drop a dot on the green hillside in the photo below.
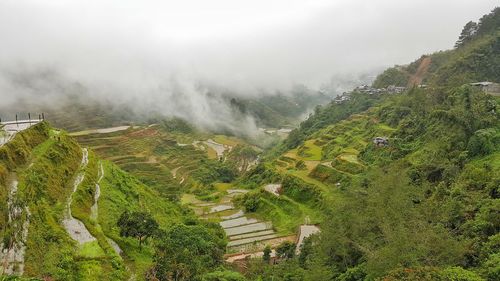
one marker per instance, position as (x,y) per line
(432,189)
(424,205)
(474,59)
(399,186)
(46,162)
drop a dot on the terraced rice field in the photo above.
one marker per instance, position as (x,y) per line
(245,233)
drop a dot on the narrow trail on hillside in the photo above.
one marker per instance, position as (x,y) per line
(75,228)
(12,255)
(417,78)
(94,209)
(174,172)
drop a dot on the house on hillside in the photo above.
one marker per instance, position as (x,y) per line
(381,141)
(489,87)
(368,90)
(274,189)
(342,98)
(395,90)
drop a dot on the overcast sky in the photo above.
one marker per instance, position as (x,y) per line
(144,47)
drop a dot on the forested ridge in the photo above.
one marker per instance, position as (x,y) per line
(426,205)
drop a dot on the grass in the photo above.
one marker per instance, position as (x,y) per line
(121,192)
(151,153)
(352,158)
(45,186)
(304,175)
(312,151)
(91,250)
(231,141)
(222,187)
(211,153)
(188,198)
(385,128)
(285,214)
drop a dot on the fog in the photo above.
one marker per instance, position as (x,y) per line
(175,57)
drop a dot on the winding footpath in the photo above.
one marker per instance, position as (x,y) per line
(97,194)
(94,210)
(75,228)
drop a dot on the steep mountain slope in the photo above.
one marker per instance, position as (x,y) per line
(474,59)
(54,176)
(69,105)
(172,156)
(403,186)
(426,198)
(408,183)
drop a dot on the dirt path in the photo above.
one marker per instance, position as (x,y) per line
(75,228)
(100,131)
(174,172)
(94,208)
(95,212)
(237,257)
(416,79)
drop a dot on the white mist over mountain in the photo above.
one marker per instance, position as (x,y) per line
(174,57)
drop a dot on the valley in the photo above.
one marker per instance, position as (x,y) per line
(396,180)
(175,158)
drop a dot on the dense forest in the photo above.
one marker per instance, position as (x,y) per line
(426,205)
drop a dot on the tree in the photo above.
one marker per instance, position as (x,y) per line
(468,32)
(483,142)
(285,250)
(188,252)
(306,250)
(140,225)
(223,275)
(301,165)
(267,254)
(251,202)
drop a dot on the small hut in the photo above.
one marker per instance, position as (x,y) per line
(381,141)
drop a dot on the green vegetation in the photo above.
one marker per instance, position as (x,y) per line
(423,207)
(139,225)
(280,109)
(476,58)
(431,177)
(299,201)
(120,191)
(285,250)
(154,156)
(328,114)
(17,153)
(423,204)
(396,76)
(187,252)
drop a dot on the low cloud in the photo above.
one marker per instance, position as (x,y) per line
(178,57)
